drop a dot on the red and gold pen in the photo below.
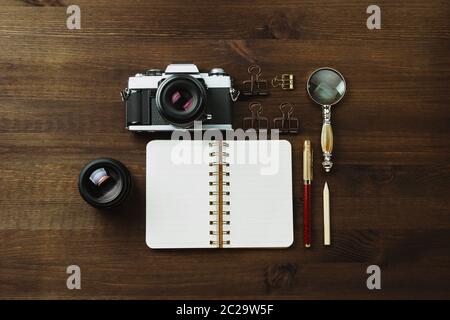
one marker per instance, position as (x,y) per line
(307,180)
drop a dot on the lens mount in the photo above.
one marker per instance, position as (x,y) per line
(104,183)
(180,99)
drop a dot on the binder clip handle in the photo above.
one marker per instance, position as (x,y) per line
(255,108)
(255,70)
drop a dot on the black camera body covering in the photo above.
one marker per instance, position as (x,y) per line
(174,99)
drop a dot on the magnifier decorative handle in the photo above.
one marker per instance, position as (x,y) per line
(327,138)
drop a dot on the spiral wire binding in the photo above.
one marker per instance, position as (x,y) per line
(219,198)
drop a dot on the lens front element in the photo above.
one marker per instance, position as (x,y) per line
(104,183)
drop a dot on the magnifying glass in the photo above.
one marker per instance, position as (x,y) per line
(326,87)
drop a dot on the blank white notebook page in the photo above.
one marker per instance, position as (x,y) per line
(177,196)
(261,209)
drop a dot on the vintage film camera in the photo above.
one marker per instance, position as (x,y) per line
(174,99)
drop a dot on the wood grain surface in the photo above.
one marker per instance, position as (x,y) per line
(60,108)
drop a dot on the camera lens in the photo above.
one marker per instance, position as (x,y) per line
(180,99)
(104,183)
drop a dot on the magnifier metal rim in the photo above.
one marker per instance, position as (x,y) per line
(326,68)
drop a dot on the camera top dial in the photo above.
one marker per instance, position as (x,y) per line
(217,72)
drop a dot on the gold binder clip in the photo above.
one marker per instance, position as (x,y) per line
(256,121)
(255,86)
(285,82)
(286,123)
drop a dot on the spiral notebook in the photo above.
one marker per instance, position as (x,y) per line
(219,194)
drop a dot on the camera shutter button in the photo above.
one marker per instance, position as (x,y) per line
(217,72)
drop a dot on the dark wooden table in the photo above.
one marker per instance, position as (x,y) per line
(60,108)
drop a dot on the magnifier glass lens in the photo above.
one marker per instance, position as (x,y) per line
(326,87)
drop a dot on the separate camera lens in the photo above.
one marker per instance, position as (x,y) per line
(180,99)
(104,183)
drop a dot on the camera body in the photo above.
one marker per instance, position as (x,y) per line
(174,99)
